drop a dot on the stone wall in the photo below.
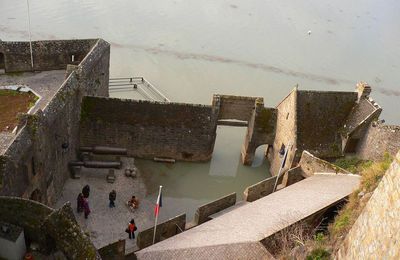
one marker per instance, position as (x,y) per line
(66,233)
(29,215)
(378,140)
(375,234)
(292,176)
(321,117)
(234,107)
(311,164)
(260,130)
(37,161)
(47,55)
(164,230)
(286,127)
(260,189)
(150,129)
(203,212)
(51,229)
(113,251)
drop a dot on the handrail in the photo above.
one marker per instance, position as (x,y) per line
(139,84)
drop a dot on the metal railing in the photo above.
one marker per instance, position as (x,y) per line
(147,90)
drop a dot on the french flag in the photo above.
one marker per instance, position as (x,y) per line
(158,204)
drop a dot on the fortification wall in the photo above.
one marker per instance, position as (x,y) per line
(285,132)
(38,160)
(204,211)
(378,140)
(164,230)
(310,164)
(260,130)
(321,117)
(375,233)
(234,107)
(149,129)
(47,55)
(29,215)
(51,229)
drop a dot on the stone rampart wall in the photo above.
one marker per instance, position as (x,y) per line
(164,230)
(286,127)
(311,164)
(38,160)
(29,215)
(378,140)
(234,107)
(260,189)
(260,130)
(47,55)
(149,129)
(113,251)
(375,234)
(321,117)
(203,212)
(51,229)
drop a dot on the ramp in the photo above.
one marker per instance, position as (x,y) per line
(255,221)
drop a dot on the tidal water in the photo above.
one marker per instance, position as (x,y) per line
(193,49)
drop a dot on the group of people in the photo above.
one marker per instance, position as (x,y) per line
(83,205)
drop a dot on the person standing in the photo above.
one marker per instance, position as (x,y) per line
(131,229)
(79,202)
(86,191)
(112,197)
(86,208)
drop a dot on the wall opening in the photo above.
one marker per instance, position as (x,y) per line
(36,195)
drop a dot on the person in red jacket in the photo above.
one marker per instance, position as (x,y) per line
(131,229)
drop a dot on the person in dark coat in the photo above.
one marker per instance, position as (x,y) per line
(112,197)
(131,229)
(79,202)
(86,208)
(86,191)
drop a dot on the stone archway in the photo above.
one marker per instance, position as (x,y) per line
(36,195)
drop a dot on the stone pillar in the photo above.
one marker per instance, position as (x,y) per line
(363,90)
(260,130)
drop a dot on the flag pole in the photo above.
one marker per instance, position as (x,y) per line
(155,221)
(30,35)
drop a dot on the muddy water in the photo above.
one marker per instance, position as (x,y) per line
(189,185)
(191,49)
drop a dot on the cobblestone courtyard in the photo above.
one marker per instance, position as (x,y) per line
(106,225)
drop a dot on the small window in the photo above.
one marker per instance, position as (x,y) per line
(72,57)
(287,116)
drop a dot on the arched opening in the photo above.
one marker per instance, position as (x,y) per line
(2,63)
(36,195)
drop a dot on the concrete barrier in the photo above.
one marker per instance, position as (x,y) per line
(203,212)
(164,230)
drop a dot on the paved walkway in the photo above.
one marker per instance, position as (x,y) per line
(45,83)
(257,220)
(107,225)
